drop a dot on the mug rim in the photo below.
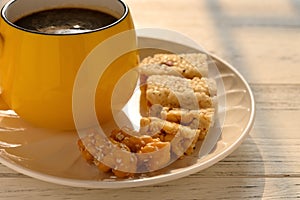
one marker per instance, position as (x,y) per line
(9,3)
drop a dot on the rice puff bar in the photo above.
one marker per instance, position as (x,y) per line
(178,92)
(184,65)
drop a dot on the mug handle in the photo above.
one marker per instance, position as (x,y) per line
(3,105)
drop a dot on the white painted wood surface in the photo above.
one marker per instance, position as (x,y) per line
(262,40)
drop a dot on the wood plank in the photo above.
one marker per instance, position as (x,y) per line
(5,172)
(186,188)
(265,59)
(259,158)
(274,124)
(257,8)
(277,96)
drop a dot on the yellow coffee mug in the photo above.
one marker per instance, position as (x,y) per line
(37,70)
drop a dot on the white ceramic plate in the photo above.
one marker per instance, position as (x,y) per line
(54,156)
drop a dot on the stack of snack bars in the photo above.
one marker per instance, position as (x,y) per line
(177,107)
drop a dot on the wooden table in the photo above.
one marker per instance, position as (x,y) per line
(262,40)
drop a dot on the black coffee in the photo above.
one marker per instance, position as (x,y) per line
(65,20)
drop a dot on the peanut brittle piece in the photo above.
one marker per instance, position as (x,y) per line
(108,154)
(132,153)
(182,138)
(154,155)
(201,119)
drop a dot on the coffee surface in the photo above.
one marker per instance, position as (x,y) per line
(65,20)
